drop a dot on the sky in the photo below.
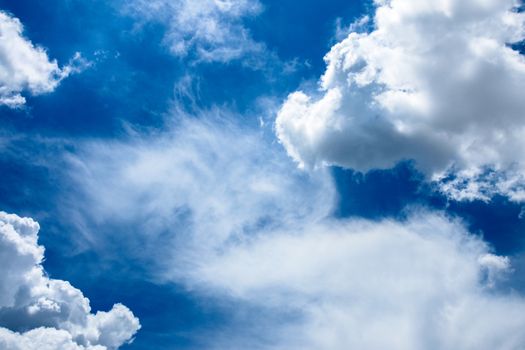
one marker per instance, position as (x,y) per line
(260,174)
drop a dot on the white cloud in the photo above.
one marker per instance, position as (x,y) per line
(37,312)
(26,68)
(189,190)
(435,81)
(421,284)
(359,25)
(219,209)
(213,29)
(40,339)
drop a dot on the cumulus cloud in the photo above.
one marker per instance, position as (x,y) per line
(37,312)
(213,29)
(25,67)
(434,81)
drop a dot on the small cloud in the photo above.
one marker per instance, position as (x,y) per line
(209,30)
(26,68)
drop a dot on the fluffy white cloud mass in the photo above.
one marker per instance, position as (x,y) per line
(436,82)
(212,28)
(40,313)
(24,67)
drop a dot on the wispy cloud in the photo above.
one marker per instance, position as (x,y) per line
(186,191)
(216,208)
(209,31)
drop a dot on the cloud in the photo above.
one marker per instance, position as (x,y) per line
(38,312)
(212,30)
(425,283)
(176,195)
(434,81)
(25,67)
(220,209)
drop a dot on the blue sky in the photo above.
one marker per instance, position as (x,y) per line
(224,169)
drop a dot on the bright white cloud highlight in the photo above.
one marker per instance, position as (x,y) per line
(211,29)
(24,67)
(435,81)
(40,313)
